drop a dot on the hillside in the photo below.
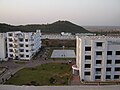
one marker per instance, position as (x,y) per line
(56,27)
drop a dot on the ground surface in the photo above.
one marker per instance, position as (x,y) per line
(82,87)
(45,74)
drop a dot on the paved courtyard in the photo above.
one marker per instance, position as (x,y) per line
(63,54)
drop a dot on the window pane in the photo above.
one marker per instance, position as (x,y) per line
(98,52)
(99,44)
(87,48)
(87,73)
(109,52)
(117,52)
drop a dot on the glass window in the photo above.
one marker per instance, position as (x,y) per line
(10,34)
(117,52)
(26,45)
(11,55)
(99,44)
(21,39)
(117,61)
(87,57)
(10,50)
(109,52)
(21,50)
(98,69)
(98,61)
(26,40)
(109,61)
(87,48)
(108,76)
(27,55)
(87,65)
(21,45)
(27,50)
(98,52)
(117,68)
(87,73)
(97,77)
(21,55)
(116,76)
(108,69)
(10,39)
(10,45)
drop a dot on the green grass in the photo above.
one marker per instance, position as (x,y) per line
(46,74)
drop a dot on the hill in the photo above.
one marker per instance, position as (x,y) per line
(56,27)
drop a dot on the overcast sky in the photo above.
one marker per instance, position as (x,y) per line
(81,12)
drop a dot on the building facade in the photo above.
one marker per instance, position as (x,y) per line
(23,45)
(97,58)
(3,47)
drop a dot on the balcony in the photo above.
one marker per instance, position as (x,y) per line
(15,45)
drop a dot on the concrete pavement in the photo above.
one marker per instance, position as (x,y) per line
(82,87)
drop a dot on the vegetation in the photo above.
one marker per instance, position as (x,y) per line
(20,62)
(56,27)
(45,74)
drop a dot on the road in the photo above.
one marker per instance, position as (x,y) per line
(82,87)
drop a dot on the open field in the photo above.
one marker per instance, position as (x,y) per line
(45,74)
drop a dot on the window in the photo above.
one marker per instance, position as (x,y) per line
(21,50)
(87,73)
(87,65)
(10,34)
(97,77)
(98,52)
(108,77)
(109,52)
(10,50)
(98,69)
(109,61)
(87,48)
(21,55)
(21,45)
(26,40)
(117,68)
(116,76)
(117,52)
(27,55)
(10,45)
(10,39)
(11,55)
(98,61)
(26,45)
(87,57)
(21,39)
(108,69)
(117,61)
(27,50)
(99,44)
(32,44)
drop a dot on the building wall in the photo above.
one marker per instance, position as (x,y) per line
(24,45)
(97,67)
(2,46)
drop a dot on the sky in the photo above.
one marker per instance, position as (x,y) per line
(81,12)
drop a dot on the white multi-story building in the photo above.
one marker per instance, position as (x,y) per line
(2,46)
(97,58)
(23,45)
